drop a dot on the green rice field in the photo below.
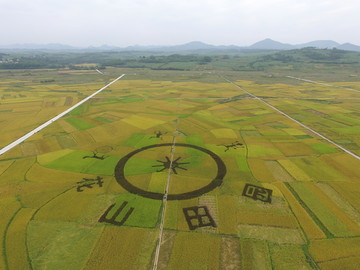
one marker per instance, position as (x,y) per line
(179,170)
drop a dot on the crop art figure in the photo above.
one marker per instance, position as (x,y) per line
(233,145)
(257,193)
(114,218)
(198,217)
(95,156)
(158,134)
(88,183)
(173,165)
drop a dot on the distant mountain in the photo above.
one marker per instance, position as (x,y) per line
(102,48)
(30,46)
(349,47)
(270,44)
(191,47)
(320,44)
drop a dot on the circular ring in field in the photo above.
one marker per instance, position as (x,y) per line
(216,181)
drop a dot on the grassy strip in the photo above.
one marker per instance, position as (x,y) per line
(311,213)
(309,259)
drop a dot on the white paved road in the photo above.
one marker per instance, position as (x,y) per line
(99,71)
(28,135)
(326,84)
(301,124)
(164,200)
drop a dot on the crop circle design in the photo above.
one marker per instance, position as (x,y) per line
(217,181)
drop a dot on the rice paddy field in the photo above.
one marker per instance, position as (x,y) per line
(179,170)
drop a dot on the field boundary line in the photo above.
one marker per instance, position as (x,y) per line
(164,200)
(6,261)
(296,121)
(326,84)
(29,134)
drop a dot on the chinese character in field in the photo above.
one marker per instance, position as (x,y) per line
(88,183)
(257,193)
(198,216)
(114,219)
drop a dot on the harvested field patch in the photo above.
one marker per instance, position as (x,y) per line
(166,248)
(124,256)
(260,171)
(272,234)
(255,254)
(278,172)
(286,257)
(294,170)
(230,257)
(267,219)
(66,141)
(184,258)
(29,149)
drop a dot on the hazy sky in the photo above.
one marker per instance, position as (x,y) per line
(169,22)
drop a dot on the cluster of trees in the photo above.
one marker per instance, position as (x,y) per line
(162,61)
(73,60)
(155,62)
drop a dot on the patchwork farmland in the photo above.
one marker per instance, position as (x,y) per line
(178,170)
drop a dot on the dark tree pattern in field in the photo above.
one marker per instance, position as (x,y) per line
(88,183)
(233,145)
(113,219)
(171,165)
(198,216)
(95,156)
(158,134)
(257,193)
